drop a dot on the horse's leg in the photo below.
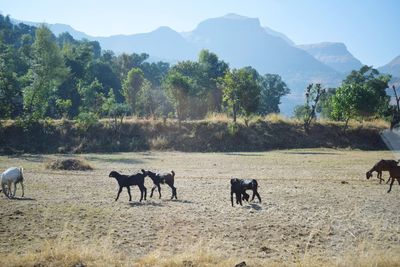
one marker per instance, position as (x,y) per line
(390,188)
(129,192)
(119,192)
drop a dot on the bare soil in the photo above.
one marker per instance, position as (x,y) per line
(314,201)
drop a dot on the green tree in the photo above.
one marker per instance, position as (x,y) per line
(178,88)
(46,74)
(213,69)
(132,85)
(241,91)
(362,94)
(272,89)
(92,97)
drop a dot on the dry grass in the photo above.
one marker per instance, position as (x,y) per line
(308,216)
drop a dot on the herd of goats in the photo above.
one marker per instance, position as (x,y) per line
(14,175)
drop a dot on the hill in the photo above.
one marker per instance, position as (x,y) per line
(335,55)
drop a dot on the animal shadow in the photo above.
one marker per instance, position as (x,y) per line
(23,199)
(138,204)
(254,206)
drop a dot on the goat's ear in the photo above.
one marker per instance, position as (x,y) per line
(143,171)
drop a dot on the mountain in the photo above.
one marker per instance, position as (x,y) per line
(242,41)
(162,43)
(392,68)
(335,55)
(58,28)
(279,34)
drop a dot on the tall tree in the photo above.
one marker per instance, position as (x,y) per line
(47,73)
(132,85)
(178,88)
(242,91)
(272,89)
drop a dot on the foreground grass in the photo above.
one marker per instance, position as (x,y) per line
(64,252)
(318,210)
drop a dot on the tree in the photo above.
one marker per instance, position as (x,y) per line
(92,97)
(178,87)
(308,112)
(46,74)
(362,94)
(272,89)
(241,91)
(132,85)
(213,69)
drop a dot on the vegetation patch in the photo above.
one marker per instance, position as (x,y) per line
(69,165)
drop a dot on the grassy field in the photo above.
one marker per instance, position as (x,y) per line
(318,209)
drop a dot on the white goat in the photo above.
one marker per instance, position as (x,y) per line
(10,177)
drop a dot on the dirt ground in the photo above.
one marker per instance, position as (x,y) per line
(315,202)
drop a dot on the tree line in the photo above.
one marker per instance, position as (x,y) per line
(44,76)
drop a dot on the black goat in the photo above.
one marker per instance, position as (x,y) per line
(394,172)
(380,166)
(239,187)
(162,178)
(127,181)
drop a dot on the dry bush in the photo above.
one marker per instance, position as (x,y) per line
(159,143)
(276,118)
(218,117)
(69,164)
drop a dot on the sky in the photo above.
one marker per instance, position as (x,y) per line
(369,28)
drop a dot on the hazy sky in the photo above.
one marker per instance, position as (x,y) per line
(369,28)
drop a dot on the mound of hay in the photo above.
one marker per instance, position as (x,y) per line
(69,164)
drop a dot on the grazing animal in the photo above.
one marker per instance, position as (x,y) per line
(12,176)
(379,167)
(394,172)
(239,187)
(127,181)
(162,178)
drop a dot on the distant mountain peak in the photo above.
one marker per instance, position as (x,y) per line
(234,16)
(333,54)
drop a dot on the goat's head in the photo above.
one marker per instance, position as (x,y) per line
(149,173)
(113,174)
(235,181)
(369,174)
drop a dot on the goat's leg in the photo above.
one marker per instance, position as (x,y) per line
(129,193)
(398,180)
(119,192)
(239,196)
(145,192)
(152,190)
(258,195)
(9,188)
(159,190)
(15,189)
(388,180)
(391,184)
(174,190)
(4,188)
(380,177)
(22,185)
(232,197)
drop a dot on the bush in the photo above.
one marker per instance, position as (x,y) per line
(85,120)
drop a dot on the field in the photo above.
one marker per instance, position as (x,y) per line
(317,209)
